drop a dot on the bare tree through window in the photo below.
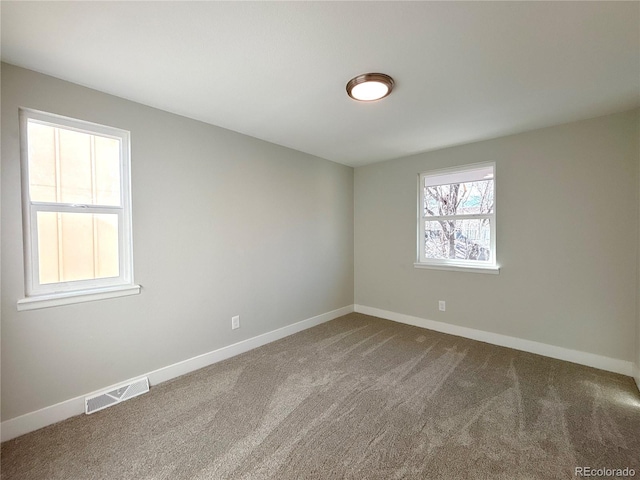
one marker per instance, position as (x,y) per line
(457,216)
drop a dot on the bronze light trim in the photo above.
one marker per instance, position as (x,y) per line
(370,77)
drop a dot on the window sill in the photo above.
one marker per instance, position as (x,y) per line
(80,296)
(458,268)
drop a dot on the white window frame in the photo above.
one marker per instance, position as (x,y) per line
(39,295)
(476,266)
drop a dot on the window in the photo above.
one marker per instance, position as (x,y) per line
(76,211)
(456,218)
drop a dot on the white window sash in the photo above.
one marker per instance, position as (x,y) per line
(38,288)
(450,261)
(470,216)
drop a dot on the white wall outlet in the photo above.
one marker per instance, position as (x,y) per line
(442,305)
(235,322)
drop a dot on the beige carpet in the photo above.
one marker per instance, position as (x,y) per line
(358,398)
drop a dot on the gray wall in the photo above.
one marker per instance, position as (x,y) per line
(567,238)
(637,357)
(224,224)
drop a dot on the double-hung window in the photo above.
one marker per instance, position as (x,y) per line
(76,210)
(456,218)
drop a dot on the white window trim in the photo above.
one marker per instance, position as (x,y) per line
(63,293)
(458,268)
(78,296)
(472,266)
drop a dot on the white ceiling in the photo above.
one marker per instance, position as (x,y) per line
(464,71)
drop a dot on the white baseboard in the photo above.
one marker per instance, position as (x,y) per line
(575,356)
(636,375)
(75,406)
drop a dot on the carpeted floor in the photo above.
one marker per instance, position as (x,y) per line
(358,398)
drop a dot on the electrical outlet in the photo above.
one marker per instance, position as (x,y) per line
(235,322)
(442,305)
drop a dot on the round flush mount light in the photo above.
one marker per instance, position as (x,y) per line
(370,87)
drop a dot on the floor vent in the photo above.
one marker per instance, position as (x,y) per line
(116,395)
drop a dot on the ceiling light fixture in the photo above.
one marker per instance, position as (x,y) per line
(369,87)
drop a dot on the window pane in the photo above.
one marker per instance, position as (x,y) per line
(107,170)
(42,163)
(73,167)
(458,239)
(459,198)
(77,246)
